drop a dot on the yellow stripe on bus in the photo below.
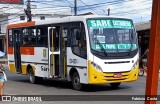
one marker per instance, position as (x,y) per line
(24,68)
(12,68)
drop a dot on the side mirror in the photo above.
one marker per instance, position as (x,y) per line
(77,35)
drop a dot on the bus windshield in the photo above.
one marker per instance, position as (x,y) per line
(115,35)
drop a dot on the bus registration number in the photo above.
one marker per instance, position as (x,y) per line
(117,75)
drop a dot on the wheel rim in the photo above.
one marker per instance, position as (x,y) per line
(76,82)
(31,77)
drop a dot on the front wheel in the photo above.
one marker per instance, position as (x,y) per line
(115,85)
(141,72)
(76,81)
(33,79)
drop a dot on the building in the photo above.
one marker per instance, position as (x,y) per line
(143,30)
(14,13)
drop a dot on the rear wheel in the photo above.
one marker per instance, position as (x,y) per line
(76,81)
(115,85)
(33,79)
(141,72)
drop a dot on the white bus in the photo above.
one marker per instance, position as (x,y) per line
(81,49)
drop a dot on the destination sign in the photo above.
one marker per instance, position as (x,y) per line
(106,23)
(115,46)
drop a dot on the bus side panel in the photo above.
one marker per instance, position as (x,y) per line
(11,63)
(40,59)
(78,63)
(37,59)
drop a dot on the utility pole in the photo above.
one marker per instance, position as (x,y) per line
(154,54)
(28,11)
(108,11)
(75,7)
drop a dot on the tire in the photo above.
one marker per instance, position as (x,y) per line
(115,85)
(33,79)
(76,81)
(141,72)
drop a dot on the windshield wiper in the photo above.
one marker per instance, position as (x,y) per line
(101,47)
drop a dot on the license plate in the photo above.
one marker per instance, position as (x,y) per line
(117,75)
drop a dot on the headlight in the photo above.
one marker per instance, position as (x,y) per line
(97,67)
(134,65)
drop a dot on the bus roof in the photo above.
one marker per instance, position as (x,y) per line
(60,20)
(73,18)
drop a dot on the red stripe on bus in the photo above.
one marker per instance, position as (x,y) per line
(27,50)
(24,50)
(10,50)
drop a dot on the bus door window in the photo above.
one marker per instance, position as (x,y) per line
(63,60)
(10,38)
(54,47)
(17,37)
(56,39)
(17,53)
(64,38)
(55,33)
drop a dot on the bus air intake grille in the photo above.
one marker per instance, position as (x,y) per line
(117,62)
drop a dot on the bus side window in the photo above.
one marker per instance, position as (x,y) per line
(29,36)
(78,37)
(42,39)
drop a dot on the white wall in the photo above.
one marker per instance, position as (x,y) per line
(16,19)
(10,14)
(4,22)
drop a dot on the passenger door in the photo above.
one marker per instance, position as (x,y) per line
(16,46)
(53,51)
(63,51)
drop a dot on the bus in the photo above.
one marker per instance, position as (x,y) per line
(81,49)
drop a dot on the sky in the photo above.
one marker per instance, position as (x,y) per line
(138,10)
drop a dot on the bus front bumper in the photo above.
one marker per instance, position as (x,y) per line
(95,77)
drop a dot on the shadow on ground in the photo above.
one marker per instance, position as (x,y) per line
(62,84)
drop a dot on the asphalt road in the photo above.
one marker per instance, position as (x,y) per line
(19,85)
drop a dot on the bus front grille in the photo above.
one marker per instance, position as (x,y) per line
(117,62)
(116,79)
